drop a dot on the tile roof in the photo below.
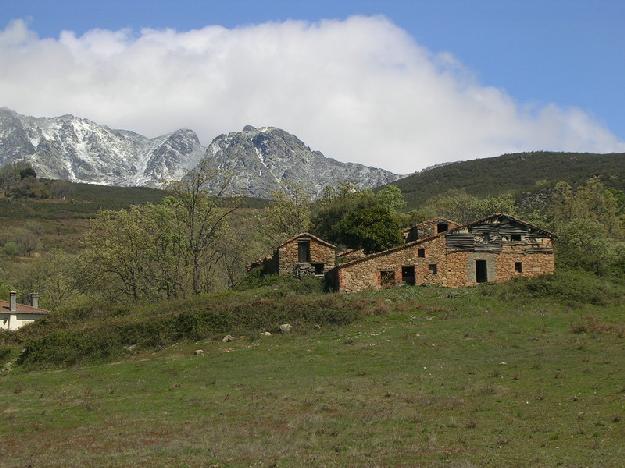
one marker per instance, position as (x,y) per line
(5,308)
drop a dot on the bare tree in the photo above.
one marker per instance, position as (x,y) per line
(202,216)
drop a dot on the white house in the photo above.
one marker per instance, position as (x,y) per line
(14,316)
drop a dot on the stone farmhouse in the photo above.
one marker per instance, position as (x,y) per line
(494,249)
(14,316)
(300,255)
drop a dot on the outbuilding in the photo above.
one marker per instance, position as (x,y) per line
(14,316)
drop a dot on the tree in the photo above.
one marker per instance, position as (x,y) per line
(464,208)
(202,218)
(360,219)
(287,215)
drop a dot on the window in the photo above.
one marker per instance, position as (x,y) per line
(387,278)
(318,268)
(518,267)
(303,251)
(408,275)
(432,268)
(516,237)
(421,253)
(441,227)
(481,272)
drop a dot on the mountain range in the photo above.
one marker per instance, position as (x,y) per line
(260,160)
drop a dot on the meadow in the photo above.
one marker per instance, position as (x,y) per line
(528,373)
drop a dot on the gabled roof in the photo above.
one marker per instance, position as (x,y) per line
(5,308)
(427,239)
(308,236)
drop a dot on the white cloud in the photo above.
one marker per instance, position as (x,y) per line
(359,90)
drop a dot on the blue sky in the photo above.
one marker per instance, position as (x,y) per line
(570,53)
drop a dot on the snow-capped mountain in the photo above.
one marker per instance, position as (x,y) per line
(80,150)
(263,160)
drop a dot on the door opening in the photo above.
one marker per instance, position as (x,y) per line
(408,275)
(481,274)
(303,252)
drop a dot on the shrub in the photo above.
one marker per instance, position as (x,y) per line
(100,334)
(565,286)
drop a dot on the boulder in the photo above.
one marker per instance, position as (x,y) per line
(266,333)
(285,328)
(198,352)
(228,338)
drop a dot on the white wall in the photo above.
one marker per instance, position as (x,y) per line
(16,320)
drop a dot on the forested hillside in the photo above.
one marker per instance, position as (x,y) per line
(513,172)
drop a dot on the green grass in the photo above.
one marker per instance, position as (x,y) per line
(495,376)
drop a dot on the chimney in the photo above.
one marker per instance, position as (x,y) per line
(34,300)
(13,301)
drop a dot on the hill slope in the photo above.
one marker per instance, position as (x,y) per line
(512,173)
(478,377)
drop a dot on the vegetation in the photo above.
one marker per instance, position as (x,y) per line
(513,173)
(499,375)
(360,219)
(523,373)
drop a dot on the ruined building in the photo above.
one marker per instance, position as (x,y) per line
(300,255)
(497,248)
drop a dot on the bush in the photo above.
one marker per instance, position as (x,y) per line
(564,286)
(105,334)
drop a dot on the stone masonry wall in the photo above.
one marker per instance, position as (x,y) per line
(319,253)
(366,274)
(454,269)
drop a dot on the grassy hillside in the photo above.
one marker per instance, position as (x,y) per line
(512,173)
(60,221)
(502,375)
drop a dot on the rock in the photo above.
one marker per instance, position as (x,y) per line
(266,333)
(131,347)
(285,328)
(198,352)
(228,338)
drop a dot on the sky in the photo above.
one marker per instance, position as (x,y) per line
(397,84)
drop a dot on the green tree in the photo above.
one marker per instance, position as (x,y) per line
(287,215)
(360,219)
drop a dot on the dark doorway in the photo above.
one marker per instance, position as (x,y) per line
(303,252)
(441,227)
(481,274)
(408,275)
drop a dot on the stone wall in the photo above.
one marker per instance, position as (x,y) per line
(453,268)
(365,273)
(287,257)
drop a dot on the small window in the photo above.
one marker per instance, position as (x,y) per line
(387,278)
(318,268)
(421,253)
(432,268)
(441,227)
(518,267)
(516,237)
